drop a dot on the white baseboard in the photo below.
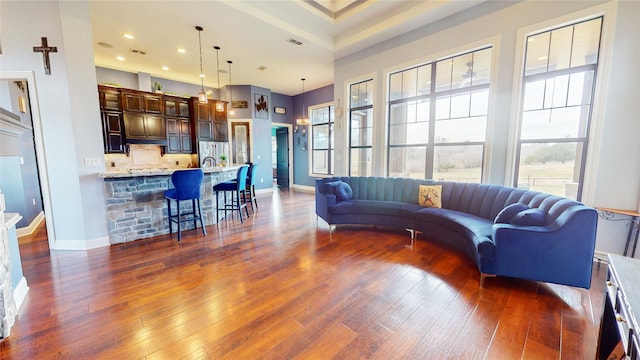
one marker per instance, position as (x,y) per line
(81,244)
(32,227)
(20,292)
(305,188)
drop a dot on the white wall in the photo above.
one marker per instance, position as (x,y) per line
(68,110)
(614,158)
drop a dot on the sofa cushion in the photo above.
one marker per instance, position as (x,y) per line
(332,185)
(343,191)
(375,207)
(529,217)
(506,214)
(430,196)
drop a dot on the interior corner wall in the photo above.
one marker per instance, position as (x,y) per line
(261,146)
(68,126)
(301,162)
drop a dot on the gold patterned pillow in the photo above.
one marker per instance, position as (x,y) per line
(430,196)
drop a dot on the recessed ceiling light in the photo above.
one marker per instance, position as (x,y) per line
(202,76)
(120,58)
(128,36)
(165,68)
(182,51)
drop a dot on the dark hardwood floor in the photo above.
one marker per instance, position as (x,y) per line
(277,287)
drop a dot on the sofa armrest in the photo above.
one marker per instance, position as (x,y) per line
(554,253)
(323,201)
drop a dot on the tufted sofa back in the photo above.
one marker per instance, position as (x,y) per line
(483,200)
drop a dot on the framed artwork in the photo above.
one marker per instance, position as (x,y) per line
(261,105)
(279,110)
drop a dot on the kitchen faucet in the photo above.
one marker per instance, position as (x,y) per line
(209,158)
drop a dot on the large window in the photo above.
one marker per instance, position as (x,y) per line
(558,87)
(322,139)
(360,128)
(438,118)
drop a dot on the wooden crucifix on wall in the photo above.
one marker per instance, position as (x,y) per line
(45,49)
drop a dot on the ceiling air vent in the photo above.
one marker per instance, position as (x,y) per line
(294,41)
(262,68)
(137,52)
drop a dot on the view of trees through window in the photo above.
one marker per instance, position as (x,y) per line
(558,85)
(438,118)
(360,128)
(322,145)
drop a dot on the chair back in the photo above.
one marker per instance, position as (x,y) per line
(187,183)
(251,177)
(241,177)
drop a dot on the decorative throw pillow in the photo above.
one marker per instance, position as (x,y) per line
(430,196)
(331,186)
(505,215)
(530,217)
(343,191)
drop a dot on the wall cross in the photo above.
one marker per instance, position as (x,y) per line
(45,49)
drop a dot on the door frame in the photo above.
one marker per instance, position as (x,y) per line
(230,123)
(290,150)
(39,146)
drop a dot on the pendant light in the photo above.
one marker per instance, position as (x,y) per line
(303,121)
(219,104)
(231,111)
(202,95)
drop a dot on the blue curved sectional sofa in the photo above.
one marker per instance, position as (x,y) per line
(506,231)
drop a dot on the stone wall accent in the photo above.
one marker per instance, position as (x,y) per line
(137,209)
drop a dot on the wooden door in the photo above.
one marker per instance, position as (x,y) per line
(282,153)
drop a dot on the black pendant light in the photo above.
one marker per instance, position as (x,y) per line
(231,111)
(202,95)
(219,104)
(302,121)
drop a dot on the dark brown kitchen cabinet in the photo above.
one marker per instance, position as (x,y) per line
(112,132)
(176,106)
(109,98)
(139,101)
(220,124)
(179,136)
(144,128)
(210,125)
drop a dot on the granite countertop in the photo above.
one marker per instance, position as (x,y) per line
(11,219)
(162,171)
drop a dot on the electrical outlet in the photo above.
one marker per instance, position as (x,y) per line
(34,201)
(91,162)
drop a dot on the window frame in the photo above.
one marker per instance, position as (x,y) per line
(330,140)
(524,79)
(350,110)
(432,96)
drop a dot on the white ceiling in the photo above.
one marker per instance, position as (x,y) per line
(252,34)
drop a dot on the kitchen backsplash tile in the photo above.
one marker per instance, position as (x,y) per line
(146,157)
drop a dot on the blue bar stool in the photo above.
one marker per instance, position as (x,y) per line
(238,188)
(187,185)
(251,187)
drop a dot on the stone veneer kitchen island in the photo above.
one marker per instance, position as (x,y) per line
(136,206)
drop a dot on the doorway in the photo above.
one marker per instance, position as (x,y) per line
(39,199)
(282,155)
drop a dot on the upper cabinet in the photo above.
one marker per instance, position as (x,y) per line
(176,106)
(139,101)
(210,124)
(109,98)
(140,117)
